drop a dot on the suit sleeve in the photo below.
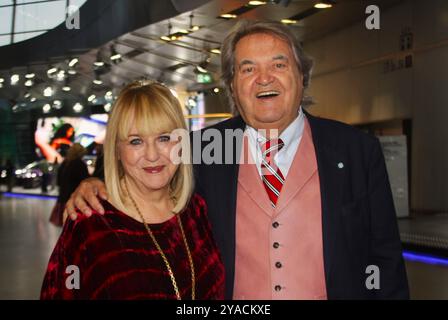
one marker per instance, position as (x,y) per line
(386,249)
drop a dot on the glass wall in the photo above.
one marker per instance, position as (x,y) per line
(25,19)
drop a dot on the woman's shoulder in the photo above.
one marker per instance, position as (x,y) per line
(197,202)
(95,222)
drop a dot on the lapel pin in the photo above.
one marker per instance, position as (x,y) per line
(340,165)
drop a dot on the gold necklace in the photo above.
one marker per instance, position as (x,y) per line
(162,254)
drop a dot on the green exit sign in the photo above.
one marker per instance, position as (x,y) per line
(204,78)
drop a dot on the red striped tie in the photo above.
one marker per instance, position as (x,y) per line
(273,179)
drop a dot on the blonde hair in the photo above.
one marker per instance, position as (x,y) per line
(153,109)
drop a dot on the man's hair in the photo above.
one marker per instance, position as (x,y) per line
(152,108)
(246,27)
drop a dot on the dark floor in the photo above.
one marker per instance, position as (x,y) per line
(27,239)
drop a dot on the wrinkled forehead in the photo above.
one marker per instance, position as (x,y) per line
(264,46)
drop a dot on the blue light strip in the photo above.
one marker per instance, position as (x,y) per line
(423,258)
(23,196)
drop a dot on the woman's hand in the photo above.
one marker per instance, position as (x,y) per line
(85,198)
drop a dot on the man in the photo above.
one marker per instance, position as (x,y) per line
(312,215)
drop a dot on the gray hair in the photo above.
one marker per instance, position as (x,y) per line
(246,27)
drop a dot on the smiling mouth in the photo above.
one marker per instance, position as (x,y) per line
(267,94)
(153,169)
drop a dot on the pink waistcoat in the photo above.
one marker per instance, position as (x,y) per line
(279,252)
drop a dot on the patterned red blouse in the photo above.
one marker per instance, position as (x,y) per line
(116,258)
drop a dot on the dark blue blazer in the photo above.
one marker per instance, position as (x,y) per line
(359,224)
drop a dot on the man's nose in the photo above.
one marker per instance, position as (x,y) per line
(264,77)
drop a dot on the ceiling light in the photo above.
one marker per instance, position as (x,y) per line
(215,51)
(165,38)
(107,107)
(52,70)
(33,99)
(60,76)
(46,108)
(30,75)
(256,3)
(57,104)
(48,92)
(193,27)
(71,71)
(99,63)
(2,80)
(73,62)
(91,98)
(78,107)
(97,81)
(29,83)
(288,21)
(323,5)
(115,57)
(15,79)
(27,95)
(216,90)
(66,88)
(228,16)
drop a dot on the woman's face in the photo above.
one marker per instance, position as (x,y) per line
(146,160)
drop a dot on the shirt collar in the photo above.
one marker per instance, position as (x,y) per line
(290,135)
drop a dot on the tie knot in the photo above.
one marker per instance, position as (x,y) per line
(272,146)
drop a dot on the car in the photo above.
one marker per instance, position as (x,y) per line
(31,175)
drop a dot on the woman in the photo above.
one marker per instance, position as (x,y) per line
(154,242)
(69,175)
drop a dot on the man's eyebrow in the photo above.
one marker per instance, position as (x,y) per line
(280,57)
(245,62)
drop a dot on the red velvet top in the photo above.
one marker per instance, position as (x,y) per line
(117,259)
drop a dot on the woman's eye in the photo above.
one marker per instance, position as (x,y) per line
(164,138)
(135,141)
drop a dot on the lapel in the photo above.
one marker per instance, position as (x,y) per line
(225,184)
(302,169)
(250,180)
(332,179)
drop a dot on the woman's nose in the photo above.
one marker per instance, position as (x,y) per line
(152,152)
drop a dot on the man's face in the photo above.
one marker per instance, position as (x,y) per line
(267,85)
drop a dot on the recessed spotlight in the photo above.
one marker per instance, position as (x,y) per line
(323,5)
(228,16)
(97,81)
(46,108)
(73,62)
(66,88)
(15,79)
(78,107)
(30,75)
(288,21)
(48,92)
(29,83)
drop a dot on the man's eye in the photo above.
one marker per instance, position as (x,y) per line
(280,65)
(164,138)
(247,69)
(135,141)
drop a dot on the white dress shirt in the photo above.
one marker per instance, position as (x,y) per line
(291,137)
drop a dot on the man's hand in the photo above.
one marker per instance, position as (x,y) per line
(85,197)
